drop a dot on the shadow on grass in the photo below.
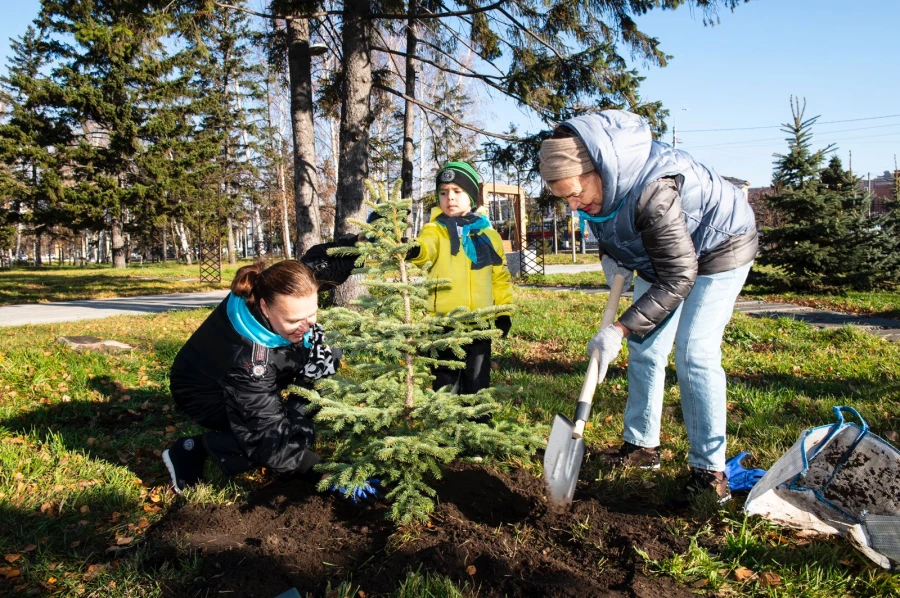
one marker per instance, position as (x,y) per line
(34,287)
(128,428)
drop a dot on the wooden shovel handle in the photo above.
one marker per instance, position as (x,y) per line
(594,376)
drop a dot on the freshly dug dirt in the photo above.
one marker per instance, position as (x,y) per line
(490,530)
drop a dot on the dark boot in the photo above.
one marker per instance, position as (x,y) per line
(701,483)
(184,460)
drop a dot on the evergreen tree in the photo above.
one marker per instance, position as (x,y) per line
(825,237)
(106,60)
(386,421)
(31,141)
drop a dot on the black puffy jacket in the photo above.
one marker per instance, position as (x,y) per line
(219,370)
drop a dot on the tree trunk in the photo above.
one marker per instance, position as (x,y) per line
(309,228)
(38,242)
(232,255)
(356,116)
(285,220)
(118,243)
(165,243)
(409,115)
(185,246)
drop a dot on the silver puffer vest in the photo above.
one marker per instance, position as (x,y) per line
(628,160)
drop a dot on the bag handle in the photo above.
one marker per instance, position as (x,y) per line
(839,411)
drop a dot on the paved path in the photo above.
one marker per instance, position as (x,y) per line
(886,328)
(67,311)
(92,309)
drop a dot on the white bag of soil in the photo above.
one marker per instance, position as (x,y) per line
(837,479)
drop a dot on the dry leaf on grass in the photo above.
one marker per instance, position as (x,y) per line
(743,574)
(769,579)
(12,558)
(9,572)
(471,570)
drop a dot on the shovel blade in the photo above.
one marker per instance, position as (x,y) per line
(562,462)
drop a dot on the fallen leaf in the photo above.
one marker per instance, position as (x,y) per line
(85,509)
(471,570)
(120,541)
(91,441)
(699,583)
(743,574)
(892,436)
(51,580)
(9,572)
(143,523)
(666,455)
(66,399)
(12,558)
(769,579)
(29,548)
(796,369)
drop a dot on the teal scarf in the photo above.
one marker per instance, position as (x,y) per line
(477,247)
(249,327)
(584,217)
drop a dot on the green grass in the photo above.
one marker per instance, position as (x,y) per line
(582,280)
(565,258)
(77,495)
(882,303)
(64,283)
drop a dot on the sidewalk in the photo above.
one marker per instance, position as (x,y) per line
(885,328)
(92,309)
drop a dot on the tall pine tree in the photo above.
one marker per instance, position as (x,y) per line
(31,141)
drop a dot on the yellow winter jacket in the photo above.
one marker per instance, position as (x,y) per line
(470,288)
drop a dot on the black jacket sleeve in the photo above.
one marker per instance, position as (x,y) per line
(665,237)
(263,427)
(331,270)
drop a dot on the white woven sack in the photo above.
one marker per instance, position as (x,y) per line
(830,481)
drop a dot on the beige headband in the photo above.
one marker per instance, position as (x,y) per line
(564,158)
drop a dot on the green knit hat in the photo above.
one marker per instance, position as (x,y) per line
(459,173)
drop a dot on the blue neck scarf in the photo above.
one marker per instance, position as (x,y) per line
(584,217)
(249,327)
(469,223)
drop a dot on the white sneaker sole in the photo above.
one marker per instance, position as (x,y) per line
(171,467)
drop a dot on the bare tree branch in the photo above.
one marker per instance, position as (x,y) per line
(440,15)
(472,73)
(446,115)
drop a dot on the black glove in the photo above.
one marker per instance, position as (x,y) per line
(504,324)
(331,270)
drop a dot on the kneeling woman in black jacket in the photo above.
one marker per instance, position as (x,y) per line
(230,375)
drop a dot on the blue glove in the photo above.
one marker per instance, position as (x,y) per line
(365,494)
(740,479)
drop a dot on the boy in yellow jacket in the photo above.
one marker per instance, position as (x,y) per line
(460,244)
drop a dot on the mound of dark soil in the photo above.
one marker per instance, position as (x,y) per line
(490,530)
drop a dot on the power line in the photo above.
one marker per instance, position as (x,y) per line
(756,142)
(828,122)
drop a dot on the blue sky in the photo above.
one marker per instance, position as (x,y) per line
(841,56)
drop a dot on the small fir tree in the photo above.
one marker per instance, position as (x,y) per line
(386,420)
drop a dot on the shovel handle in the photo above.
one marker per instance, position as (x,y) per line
(594,376)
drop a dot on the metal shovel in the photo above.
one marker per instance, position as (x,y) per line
(565,449)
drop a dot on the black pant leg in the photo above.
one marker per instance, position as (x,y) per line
(477,374)
(223,448)
(444,376)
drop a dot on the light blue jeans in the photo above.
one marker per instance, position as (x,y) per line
(696,328)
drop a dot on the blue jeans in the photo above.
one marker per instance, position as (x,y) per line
(696,328)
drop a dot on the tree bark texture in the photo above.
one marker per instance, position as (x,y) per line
(305,184)
(356,116)
(118,242)
(409,116)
